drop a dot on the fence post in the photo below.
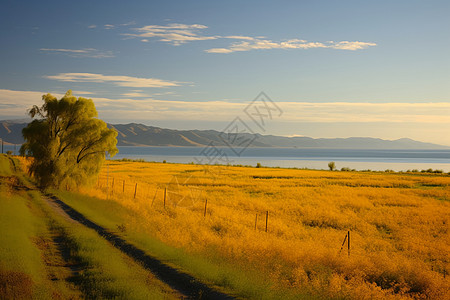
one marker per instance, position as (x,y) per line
(267,218)
(206,203)
(123,187)
(343,243)
(165,192)
(112,188)
(135,190)
(348,241)
(154,196)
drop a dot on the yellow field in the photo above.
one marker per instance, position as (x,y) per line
(398,223)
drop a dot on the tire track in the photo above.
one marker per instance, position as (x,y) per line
(177,280)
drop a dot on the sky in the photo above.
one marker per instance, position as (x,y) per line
(332,68)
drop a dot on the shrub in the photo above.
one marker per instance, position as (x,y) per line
(332,165)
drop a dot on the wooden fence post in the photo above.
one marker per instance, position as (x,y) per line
(135,190)
(112,188)
(343,243)
(165,192)
(348,241)
(206,203)
(267,218)
(154,196)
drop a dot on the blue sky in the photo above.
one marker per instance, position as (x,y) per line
(335,68)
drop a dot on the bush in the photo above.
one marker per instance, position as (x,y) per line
(332,165)
(345,169)
(258,165)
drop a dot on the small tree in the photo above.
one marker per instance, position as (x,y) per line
(67,141)
(331,165)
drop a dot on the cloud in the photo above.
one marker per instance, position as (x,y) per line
(92,26)
(82,93)
(15,103)
(135,95)
(126,81)
(86,52)
(433,112)
(175,34)
(264,44)
(109,26)
(345,45)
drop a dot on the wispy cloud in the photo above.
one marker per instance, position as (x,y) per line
(15,103)
(126,81)
(85,52)
(109,26)
(136,95)
(264,44)
(92,26)
(175,34)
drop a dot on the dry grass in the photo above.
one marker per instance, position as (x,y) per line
(399,224)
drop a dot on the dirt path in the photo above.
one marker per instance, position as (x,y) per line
(177,280)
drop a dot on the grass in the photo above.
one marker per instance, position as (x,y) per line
(5,165)
(398,221)
(211,270)
(80,265)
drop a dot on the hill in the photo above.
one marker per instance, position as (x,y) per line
(135,134)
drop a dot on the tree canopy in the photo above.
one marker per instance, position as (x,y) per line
(67,141)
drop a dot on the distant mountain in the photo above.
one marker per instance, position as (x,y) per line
(141,135)
(11,131)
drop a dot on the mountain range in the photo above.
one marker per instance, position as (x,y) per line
(134,134)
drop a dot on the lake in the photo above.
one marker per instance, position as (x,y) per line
(397,160)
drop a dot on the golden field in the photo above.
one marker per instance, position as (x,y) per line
(399,224)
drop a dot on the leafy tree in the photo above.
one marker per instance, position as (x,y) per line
(67,141)
(331,165)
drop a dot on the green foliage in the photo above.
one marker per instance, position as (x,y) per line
(332,165)
(258,165)
(67,141)
(5,166)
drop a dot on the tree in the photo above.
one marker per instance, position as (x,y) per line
(67,141)
(331,165)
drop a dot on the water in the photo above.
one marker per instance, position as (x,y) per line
(377,160)
(397,160)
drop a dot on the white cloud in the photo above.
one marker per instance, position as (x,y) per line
(433,112)
(109,26)
(176,34)
(345,45)
(82,93)
(264,44)
(126,81)
(92,26)
(135,95)
(86,52)
(17,102)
